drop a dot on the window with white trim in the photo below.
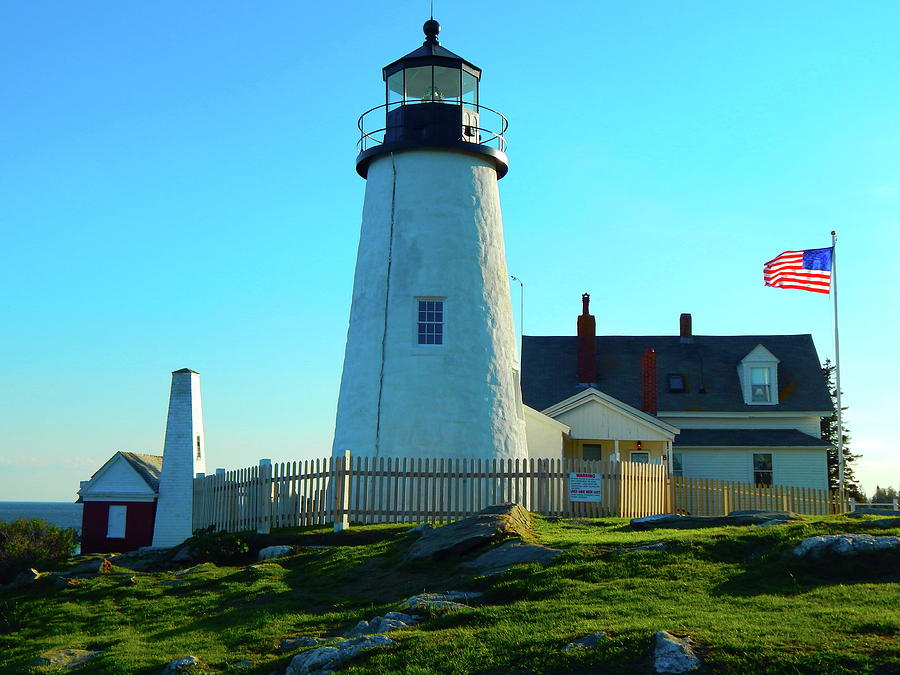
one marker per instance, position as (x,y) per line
(758,373)
(430,322)
(677,464)
(641,457)
(760,385)
(762,468)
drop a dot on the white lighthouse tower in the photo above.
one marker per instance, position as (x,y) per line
(430,366)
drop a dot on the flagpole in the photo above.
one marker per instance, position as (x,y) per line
(837,370)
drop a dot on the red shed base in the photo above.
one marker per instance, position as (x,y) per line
(139,518)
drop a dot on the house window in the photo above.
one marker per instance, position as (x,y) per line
(592,451)
(760,385)
(198,447)
(676,383)
(762,468)
(642,457)
(115,522)
(677,465)
(430,325)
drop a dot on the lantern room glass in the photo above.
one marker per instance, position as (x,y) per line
(432,84)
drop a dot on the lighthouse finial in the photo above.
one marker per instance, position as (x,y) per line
(431,29)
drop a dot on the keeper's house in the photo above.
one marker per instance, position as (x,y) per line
(730,407)
(120,503)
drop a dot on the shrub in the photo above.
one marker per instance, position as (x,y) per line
(222,548)
(32,543)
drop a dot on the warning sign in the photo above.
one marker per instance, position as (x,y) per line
(584,487)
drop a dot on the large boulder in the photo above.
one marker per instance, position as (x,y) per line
(326,659)
(382,624)
(493,524)
(845,545)
(25,578)
(740,518)
(502,557)
(274,552)
(439,603)
(672,654)
(66,658)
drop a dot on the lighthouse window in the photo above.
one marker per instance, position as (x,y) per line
(430,325)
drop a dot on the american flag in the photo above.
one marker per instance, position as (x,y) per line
(808,270)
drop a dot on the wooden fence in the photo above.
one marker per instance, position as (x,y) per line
(369,490)
(707,497)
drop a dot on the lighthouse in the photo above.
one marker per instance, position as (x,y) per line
(430,366)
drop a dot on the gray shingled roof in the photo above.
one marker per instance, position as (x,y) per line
(147,466)
(549,371)
(756,438)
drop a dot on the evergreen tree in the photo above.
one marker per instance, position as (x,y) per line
(884,495)
(830,434)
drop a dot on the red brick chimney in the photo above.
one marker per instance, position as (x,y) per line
(648,380)
(587,343)
(687,332)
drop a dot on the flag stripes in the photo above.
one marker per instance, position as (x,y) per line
(808,270)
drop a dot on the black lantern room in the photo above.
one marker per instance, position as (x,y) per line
(432,101)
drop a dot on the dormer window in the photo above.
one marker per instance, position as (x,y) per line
(759,385)
(676,383)
(758,374)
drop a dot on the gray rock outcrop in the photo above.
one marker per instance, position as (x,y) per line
(672,654)
(382,624)
(845,545)
(326,659)
(493,524)
(585,642)
(182,665)
(439,603)
(66,658)
(502,557)
(26,578)
(274,552)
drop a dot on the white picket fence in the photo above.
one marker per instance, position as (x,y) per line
(414,489)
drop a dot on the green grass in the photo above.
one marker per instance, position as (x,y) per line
(736,591)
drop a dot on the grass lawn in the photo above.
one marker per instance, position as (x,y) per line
(746,603)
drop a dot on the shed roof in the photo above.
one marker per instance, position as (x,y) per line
(148,467)
(709,365)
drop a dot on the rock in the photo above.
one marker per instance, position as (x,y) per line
(290,644)
(770,522)
(65,658)
(742,518)
(89,566)
(655,546)
(495,523)
(266,568)
(274,552)
(182,665)
(845,545)
(184,554)
(382,624)
(325,659)
(26,578)
(502,557)
(420,529)
(439,603)
(194,569)
(585,642)
(884,523)
(672,654)
(242,664)
(132,581)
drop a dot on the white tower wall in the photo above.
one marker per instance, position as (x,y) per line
(184,456)
(431,228)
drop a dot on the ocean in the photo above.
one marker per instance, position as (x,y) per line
(62,514)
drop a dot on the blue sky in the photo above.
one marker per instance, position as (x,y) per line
(177,188)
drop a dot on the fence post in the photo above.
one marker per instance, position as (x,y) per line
(726,506)
(264,497)
(342,493)
(852,505)
(896,504)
